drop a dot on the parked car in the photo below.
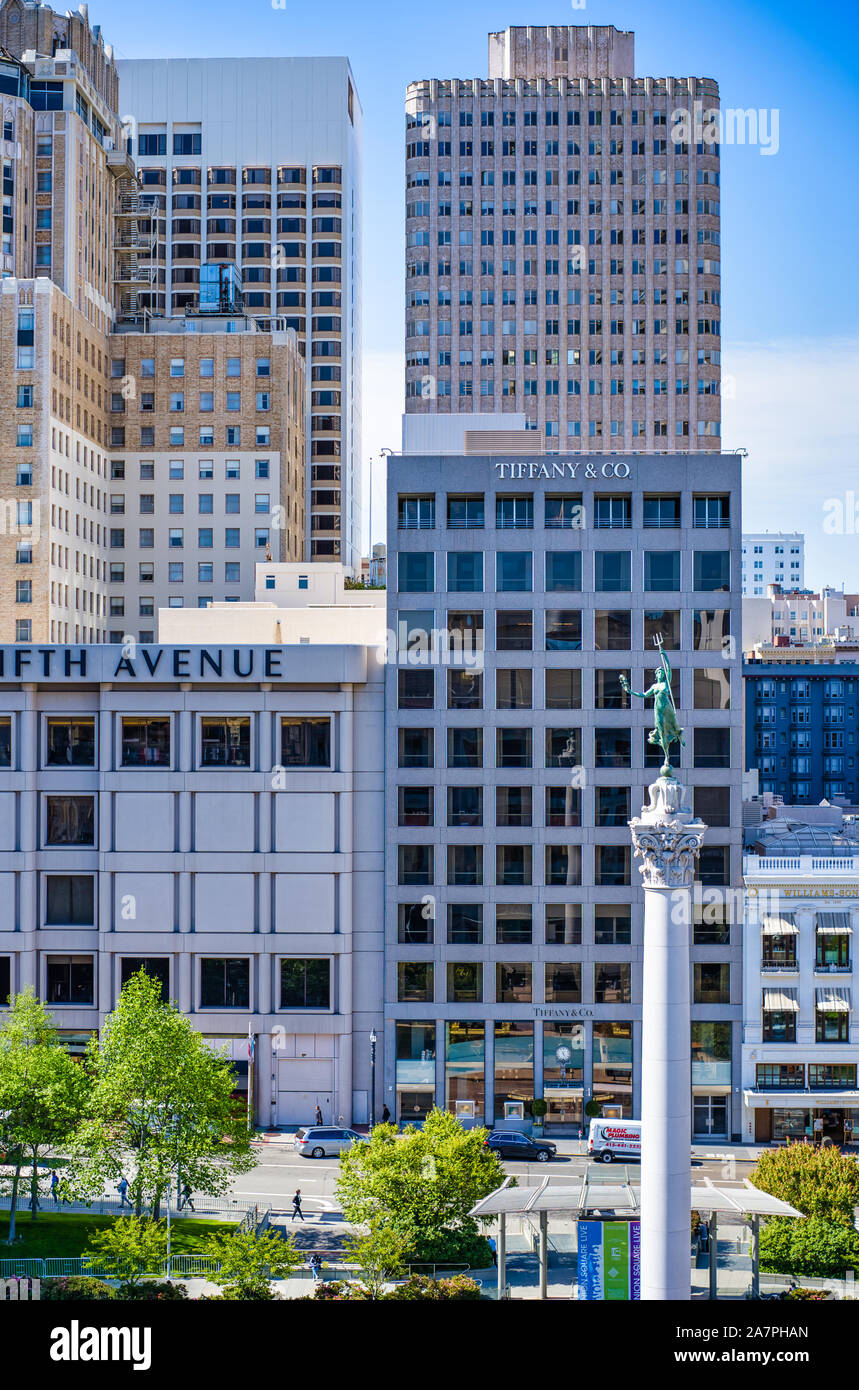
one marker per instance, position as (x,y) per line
(520,1146)
(318,1141)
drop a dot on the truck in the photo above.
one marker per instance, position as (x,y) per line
(610,1139)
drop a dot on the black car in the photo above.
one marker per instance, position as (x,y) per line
(520,1146)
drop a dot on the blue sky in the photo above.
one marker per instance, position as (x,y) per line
(790,335)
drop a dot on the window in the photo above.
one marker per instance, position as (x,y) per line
(156,967)
(464,806)
(513,747)
(514,513)
(563,982)
(464,924)
(416,572)
(464,984)
(305,984)
(711,687)
(514,630)
(712,747)
(226,741)
(831,1026)
(415,982)
(415,689)
(563,864)
(305,742)
(563,806)
(225,982)
(612,925)
(513,571)
(563,689)
(145,742)
(711,629)
(662,569)
(612,983)
(711,983)
(611,865)
(464,689)
(612,806)
(513,924)
(70,820)
(415,923)
(612,747)
(563,630)
(513,983)
(464,571)
(415,748)
(563,571)
(612,571)
(513,806)
(513,689)
(711,570)
(414,864)
(660,513)
(713,805)
(513,865)
(70,980)
(71,743)
(69,900)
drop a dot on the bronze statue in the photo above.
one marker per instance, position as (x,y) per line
(666,729)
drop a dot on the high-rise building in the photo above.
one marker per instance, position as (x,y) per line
(101,421)
(562,235)
(521,600)
(256,162)
(773,557)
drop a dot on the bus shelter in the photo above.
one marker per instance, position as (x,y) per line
(589,1199)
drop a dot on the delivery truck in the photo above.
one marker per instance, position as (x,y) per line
(610,1139)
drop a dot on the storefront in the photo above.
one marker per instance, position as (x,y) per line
(785,1119)
(563,1076)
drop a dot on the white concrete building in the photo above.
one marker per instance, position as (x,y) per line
(801,912)
(773,557)
(257,161)
(213,812)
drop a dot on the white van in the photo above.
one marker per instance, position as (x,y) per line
(610,1139)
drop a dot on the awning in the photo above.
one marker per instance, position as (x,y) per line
(778,1001)
(585,1197)
(782,925)
(823,1099)
(834,923)
(830,1000)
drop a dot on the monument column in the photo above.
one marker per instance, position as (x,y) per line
(667,841)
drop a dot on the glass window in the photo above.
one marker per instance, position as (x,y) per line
(563,630)
(513,571)
(563,570)
(69,900)
(415,747)
(415,923)
(70,980)
(226,741)
(465,864)
(464,924)
(612,748)
(612,982)
(414,864)
(464,689)
(563,689)
(612,924)
(414,982)
(513,747)
(416,572)
(465,571)
(156,967)
(712,747)
(563,982)
(664,623)
(513,985)
(563,924)
(71,743)
(711,570)
(464,1060)
(415,689)
(415,805)
(514,1059)
(563,806)
(563,865)
(465,747)
(612,1065)
(145,742)
(465,983)
(464,806)
(612,571)
(415,1063)
(305,983)
(70,820)
(513,865)
(612,630)
(513,806)
(612,806)
(513,689)
(225,983)
(711,687)
(305,742)
(611,865)
(662,569)
(513,924)
(711,983)
(514,630)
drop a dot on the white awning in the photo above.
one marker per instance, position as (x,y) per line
(834,923)
(831,1000)
(802,1100)
(777,1001)
(782,925)
(585,1197)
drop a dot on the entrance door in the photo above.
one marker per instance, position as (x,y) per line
(710,1117)
(301,1086)
(833,1125)
(763,1126)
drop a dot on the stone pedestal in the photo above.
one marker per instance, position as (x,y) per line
(667,840)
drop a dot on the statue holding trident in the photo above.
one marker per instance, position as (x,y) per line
(666,729)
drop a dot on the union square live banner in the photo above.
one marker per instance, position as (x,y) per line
(610,1259)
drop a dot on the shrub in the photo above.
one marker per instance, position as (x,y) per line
(808,1295)
(813,1246)
(340,1290)
(458,1247)
(421,1287)
(160,1290)
(76,1288)
(818,1182)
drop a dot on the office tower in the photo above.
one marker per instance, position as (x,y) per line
(522,588)
(206,464)
(773,557)
(89,415)
(562,235)
(256,162)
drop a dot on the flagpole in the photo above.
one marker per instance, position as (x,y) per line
(250,1077)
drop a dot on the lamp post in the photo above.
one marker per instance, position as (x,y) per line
(372,1077)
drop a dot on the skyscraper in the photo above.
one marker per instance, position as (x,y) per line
(562,245)
(257,161)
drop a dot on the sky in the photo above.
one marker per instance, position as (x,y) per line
(790,328)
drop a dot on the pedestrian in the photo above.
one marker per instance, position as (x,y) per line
(818,1131)
(318,1116)
(185,1198)
(296,1205)
(494,1248)
(386,1115)
(315,1263)
(122,1189)
(55,1182)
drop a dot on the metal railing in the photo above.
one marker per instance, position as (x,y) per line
(60,1267)
(112,1206)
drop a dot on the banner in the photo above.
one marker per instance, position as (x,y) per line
(609,1265)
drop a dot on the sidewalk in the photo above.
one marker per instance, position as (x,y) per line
(571,1147)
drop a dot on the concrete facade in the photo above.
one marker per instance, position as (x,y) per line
(154,811)
(519,947)
(771,557)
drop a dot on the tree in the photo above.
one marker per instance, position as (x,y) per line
(43,1093)
(815,1247)
(818,1182)
(161,1105)
(248,1261)
(422,1186)
(127,1250)
(379,1252)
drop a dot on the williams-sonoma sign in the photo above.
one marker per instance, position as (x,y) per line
(143,664)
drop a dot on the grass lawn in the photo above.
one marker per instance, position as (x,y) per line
(52,1234)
